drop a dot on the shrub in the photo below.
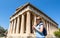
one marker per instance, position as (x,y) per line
(57,33)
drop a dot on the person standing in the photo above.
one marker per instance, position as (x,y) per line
(38,28)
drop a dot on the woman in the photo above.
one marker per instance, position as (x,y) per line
(38,28)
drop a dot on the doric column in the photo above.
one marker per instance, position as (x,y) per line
(14,26)
(28,22)
(47,27)
(17,28)
(11,26)
(22,24)
(34,22)
(9,30)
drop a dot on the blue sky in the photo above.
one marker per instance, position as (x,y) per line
(49,7)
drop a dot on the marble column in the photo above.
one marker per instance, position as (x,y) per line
(11,26)
(17,28)
(28,22)
(22,24)
(9,30)
(14,26)
(34,22)
(47,27)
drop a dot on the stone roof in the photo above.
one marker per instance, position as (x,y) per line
(28,4)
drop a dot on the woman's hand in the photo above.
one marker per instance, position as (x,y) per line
(33,27)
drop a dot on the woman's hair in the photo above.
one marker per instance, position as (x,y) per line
(41,21)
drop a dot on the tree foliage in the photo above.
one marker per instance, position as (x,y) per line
(2,31)
(57,33)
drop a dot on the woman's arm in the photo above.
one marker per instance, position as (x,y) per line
(40,30)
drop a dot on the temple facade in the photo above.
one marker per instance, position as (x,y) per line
(24,17)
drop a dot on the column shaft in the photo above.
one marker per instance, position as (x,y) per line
(47,27)
(22,24)
(18,21)
(28,22)
(14,26)
(34,22)
(9,30)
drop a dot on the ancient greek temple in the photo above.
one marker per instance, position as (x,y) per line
(24,17)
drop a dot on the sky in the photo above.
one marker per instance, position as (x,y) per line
(49,7)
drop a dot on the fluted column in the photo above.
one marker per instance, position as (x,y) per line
(14,26)
(9,30)
(17,28)
(22,24)
(34,22)
(11,26)
(47,27)
(28,22)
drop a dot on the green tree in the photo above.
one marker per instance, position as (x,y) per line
(57,33)
(2,31)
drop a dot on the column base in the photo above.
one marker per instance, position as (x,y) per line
(21,36)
